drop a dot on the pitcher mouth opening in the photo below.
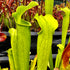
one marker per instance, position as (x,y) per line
(2,37)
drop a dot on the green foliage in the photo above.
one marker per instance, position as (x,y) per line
(21,9)
(0,19)
(51,61)
(59,55)
(0,67)
(65,25)
(49,10)
(33,63)
(21,38)
(13,34)
(6,22)
(23,45)
(44,41)
(10,55)
(49,6)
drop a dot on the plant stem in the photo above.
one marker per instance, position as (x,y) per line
(49,6)
(0,67)
(11,60)
(9,21)
(51,61)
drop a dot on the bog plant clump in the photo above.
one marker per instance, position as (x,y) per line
(19,53)
(7,7)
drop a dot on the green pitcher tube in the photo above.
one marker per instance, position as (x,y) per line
(23,41)
(44,41)
(23,36)
(13,35)
(20,43)
(65,24)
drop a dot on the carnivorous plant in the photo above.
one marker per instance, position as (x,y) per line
(21,38)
